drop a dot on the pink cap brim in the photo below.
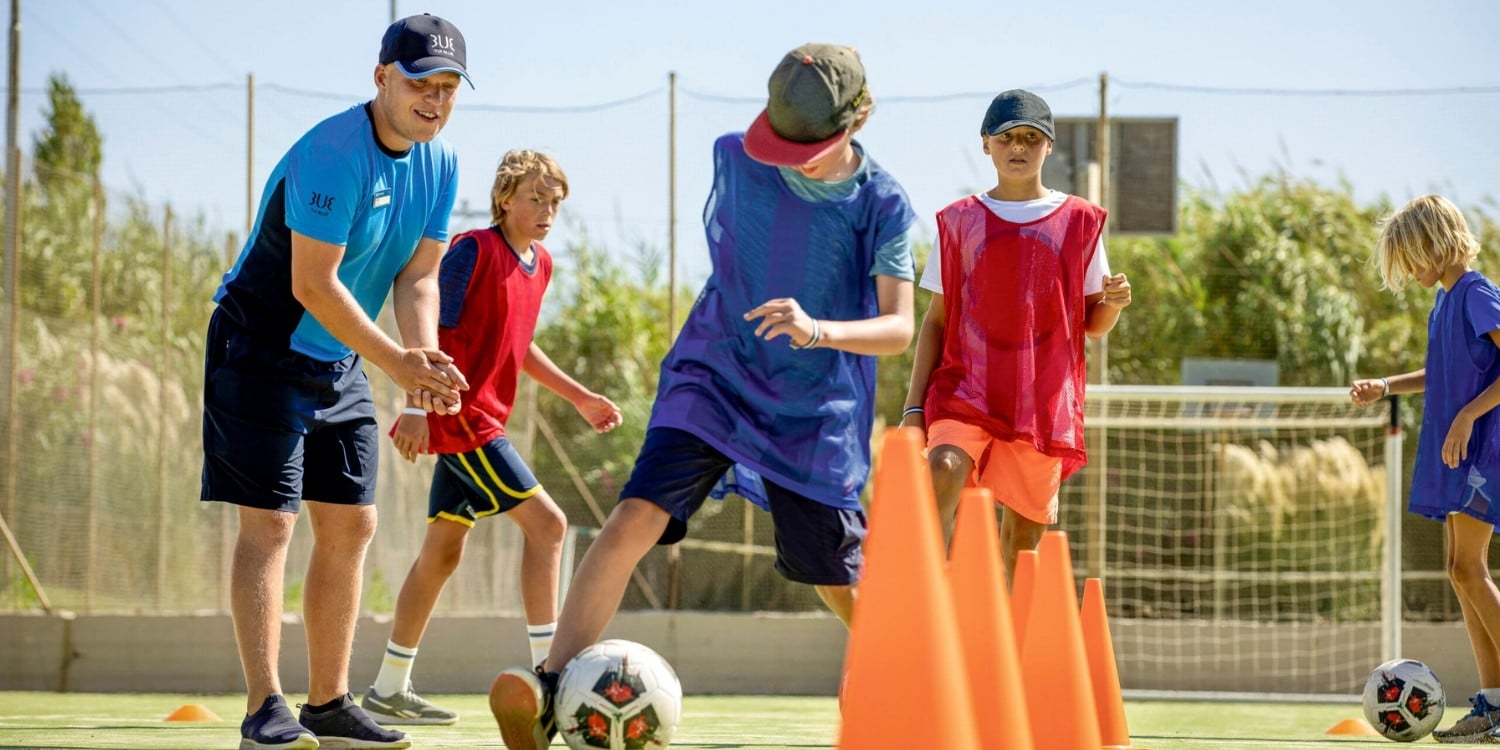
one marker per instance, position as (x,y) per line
(765,146)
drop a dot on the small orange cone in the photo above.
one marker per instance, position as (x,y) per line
(1054,661)
(1022,585)
(905,671)
(1102,668)
(192,712)
(1354,728)
(977,575)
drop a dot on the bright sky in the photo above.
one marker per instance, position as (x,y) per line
(166,82)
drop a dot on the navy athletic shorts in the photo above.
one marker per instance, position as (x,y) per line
(280,427)
(488,480)
(816,544)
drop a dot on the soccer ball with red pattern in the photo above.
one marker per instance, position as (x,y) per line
(618,695)
(1403,700)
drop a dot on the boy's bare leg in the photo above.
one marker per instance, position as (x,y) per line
(1468,570)
(442,550)
(1017,532)
(544,526)
(839,600)
(950,467)
(598,585)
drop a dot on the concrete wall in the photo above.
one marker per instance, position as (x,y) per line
(712,653)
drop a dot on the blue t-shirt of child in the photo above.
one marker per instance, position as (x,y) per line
(799,418)
(1462,360)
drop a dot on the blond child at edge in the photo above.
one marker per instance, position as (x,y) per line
(1458,453)
(1019,277)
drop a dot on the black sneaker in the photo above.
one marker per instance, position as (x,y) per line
(273,727)
(346,726)
(521,701)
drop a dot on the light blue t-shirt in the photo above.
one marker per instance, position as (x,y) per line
(340,185)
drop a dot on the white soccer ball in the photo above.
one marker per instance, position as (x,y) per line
(1403,700)
(618,695)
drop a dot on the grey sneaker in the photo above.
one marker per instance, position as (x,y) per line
(1474,726)
(521,701)
(404,708)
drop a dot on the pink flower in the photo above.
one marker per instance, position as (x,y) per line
(26,376)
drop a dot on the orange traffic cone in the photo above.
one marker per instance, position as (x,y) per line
(905,671)
(984,625)
(1021,587)
(1106,675)
(1054,662)
(192,712)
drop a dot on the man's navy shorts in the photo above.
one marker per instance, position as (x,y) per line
(280,427)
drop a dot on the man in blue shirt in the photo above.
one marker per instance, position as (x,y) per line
(357,208)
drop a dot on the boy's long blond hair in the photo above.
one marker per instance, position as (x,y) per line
(1427,233)
(514,168)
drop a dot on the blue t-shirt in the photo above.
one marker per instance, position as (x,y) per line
(800,418)
(1462,360)
(339,185)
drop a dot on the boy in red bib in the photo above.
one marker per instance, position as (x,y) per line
(1018,278)
(492,280)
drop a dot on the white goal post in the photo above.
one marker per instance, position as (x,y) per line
(1248,537)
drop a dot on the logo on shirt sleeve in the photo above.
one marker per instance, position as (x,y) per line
(321,204)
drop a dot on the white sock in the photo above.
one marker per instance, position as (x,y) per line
(540,637)
(1492,695)
(395,669)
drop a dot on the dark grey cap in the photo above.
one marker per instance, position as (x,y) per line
(1014,108)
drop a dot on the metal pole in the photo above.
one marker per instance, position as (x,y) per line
(90,449)
(12,253)
(1096,496)
(672,206)
(249,153)
(162,373)
(674,552)
(1390,580)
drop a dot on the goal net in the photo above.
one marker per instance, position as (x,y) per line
(1241,534)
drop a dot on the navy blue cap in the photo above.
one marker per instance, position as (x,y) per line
(423,45)
(1014,108)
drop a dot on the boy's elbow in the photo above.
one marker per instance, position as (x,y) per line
(900,339)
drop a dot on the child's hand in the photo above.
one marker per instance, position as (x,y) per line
(783,317)
(1456,445)
(915,419)
(1367,391)
(599,412)
(410,436)
(1116,291)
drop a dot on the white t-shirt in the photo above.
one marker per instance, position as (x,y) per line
(1021,212)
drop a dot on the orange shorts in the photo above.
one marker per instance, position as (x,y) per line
(1021,478)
